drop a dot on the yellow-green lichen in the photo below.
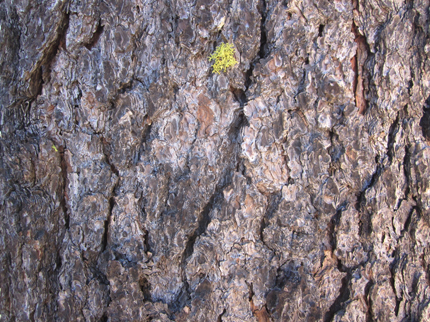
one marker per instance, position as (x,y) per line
(223,57)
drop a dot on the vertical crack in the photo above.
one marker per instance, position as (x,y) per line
(320,30)
(357,62)
(219,319)
(260,313)
(368,300)
(361,197)
(263,51)
(425,120)
(262,8)
(392,281)
(107,223)
(334,222)
(111,200)
(273,205)
(339,303)
(204,219)
(63,201)
(95,37)
(145,288)
(40,73)
(394,128)
(203,222)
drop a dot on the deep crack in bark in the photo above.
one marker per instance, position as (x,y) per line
(359,87)
(63,201)
(338,304)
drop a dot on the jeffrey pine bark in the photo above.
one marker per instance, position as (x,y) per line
(138,185)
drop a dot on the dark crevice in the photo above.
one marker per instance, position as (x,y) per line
(425,120)
(99,275)
(394,128)
(219,319)
(111,200)
(145,288)
(146,241)
(320,30)
(261,314)
(106,225)
(339,303)
(58,261)
(358,66)
(361,197)
(407,174)
(335,151)
(105,144)
(393,267)
(63,201)
(263,51)
(426,267)
(334,222)
(301,88)
(239,122)
(239,96)
(95,37)
(409,220)
(273,206)
(42,68)
(262,8)
(146,135)
(368,300)
(248,77)
(204,218)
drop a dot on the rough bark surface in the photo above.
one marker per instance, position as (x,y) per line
(136,185)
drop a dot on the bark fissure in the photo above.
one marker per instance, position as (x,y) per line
(340,301)
(394,129)
(40,73)
(274,201)
(358,62)
(334,222)
(95,37)
(64,175)
(361,197)
(264,50)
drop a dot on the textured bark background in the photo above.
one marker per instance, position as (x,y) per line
(137,185)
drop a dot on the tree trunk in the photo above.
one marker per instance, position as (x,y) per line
(138,185)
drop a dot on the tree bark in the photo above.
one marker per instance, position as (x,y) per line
(138,185)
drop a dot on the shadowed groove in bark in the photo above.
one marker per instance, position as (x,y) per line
(184,298)
(111,199)
(262,8)
(358,65)
(334,221)
(274,201)
(203,222)
(393,267)
(63,201)
(361,197)
(219,319)
(394,129)
(425,120)
(96,36)
(339,303)
(42,69)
